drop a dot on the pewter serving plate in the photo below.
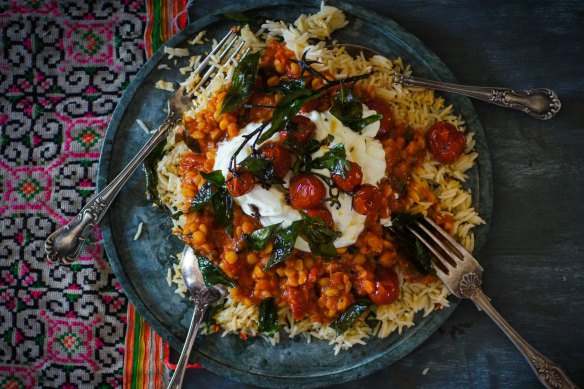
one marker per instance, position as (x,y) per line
(141,265)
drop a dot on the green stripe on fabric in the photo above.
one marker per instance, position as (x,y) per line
(138,329)
(157,39)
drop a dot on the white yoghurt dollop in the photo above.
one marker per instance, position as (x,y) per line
(270,203)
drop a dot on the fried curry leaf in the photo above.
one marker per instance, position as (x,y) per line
(286,109)
(268,324)
(212,312)
(334,160)
(350,316)
(191,142)
(222,203)
(215,177)
(287,85)
(258,239)
(203,196)
(261,168)
(242,83)
(212,274)
(418,252)
(214,192)
(296,147)
(349,110)
(302,151)
(283,244)
(320,236)
(149,167)
(238,17)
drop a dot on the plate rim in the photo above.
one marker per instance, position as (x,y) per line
(405,344)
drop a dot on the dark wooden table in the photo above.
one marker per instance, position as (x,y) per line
(534,259)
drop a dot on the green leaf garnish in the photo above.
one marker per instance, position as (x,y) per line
(258,239)
(334,160)
(283,244)
(238,17)
(350,316)
(191,142)
(216,177)
(268,324)
(319,236)
(212,312)
(288,85)
(349,110)
(212,274)
(418,252)
(261,168)
(241,87)
(203,196)
(213,191)
(222,203)
(149,167)
(286,109)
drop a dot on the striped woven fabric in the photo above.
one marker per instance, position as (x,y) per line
(165,18)
(146,353)
(143,367)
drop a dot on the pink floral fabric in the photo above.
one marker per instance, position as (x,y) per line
(63,67)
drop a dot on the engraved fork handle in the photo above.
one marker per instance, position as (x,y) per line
(550,374)
(64,245)
(540,103)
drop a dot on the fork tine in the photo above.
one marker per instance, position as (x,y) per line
(442,263)
(213,52)
(447,236)
(448,250)
(221,57)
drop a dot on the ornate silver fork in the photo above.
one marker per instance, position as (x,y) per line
(462,274)
(65,244)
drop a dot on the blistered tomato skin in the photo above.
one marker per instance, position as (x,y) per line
(306,191)
(301,128)
(279,156)
(366,199)
(192,161)
(323,214)
(353,178)
(445,142)
(240,184)
(386,287)
(386,124)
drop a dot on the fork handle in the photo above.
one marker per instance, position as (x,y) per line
(550,374)
(64,245)
(540,103)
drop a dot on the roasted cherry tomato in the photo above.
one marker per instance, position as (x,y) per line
(353,178)
(386,124)
(386,287)
(367,199)
(279,156)
(192,161)
(323,214)
(445,142)
(300,127)
(240,183)
(306,191)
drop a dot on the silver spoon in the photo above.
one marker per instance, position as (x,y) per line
(203,296)
(540,103)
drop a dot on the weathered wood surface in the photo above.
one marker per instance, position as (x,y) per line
(534,259)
